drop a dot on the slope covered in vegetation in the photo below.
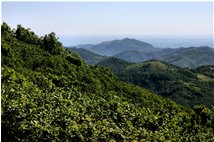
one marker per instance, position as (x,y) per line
(50,94)
(88,56)
(185,86)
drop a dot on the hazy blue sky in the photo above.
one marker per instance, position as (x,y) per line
(95,18)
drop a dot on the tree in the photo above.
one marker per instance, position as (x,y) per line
(26,35)
(6,32)
(51,44)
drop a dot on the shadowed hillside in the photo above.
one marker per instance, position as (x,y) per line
(88,56)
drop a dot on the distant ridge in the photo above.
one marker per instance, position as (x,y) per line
(134,51)
(110,48)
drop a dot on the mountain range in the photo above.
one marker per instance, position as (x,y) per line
(133,50)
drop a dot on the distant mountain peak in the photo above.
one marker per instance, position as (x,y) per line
(124,39)
(106,42)
(130,40)
(113,47)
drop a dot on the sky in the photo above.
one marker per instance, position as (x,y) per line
(163,24)
(111,18)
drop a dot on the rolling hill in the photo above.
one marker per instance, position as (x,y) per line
(190,57)
(134,56)
(184,86)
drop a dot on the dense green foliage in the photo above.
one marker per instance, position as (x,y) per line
(88,56)
(26,35)
(184,86)
(52,95)
(206,70)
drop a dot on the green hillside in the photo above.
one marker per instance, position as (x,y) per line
(134,56)
(88,56)
(115,64)
(50,94)
(184,86)
(206,70)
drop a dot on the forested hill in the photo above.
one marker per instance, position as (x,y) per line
(183,85)
(88,56)
(50,94)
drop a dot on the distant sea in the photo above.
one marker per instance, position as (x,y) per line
(169,41)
